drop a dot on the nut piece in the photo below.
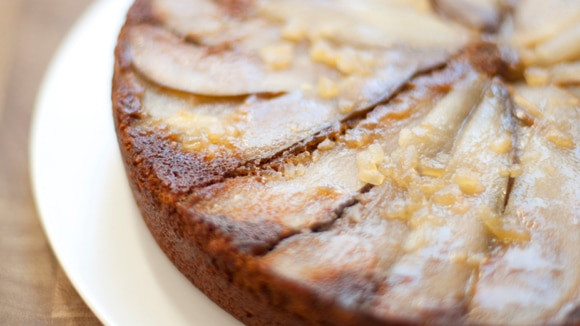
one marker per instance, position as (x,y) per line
(501,229)
(327,144)
(321,51)
(327,88)
(367,161)
(278,56)
(560,138)
(468,182)
(501,145)
(294,30)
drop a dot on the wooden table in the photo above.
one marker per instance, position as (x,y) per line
(33,288)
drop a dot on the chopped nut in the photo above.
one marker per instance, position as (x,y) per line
(327,144)
(501,145)
(294,30)
(502,231)
(376,153)
(409,158)
(367,162)
(357,140)
(560,138)
(201,131)
(504,171)
(422,216)
(364,162)
(355,215)
(397,209)
(370,157)
(349,61)
(373,177)
(322,31)
(405,137)
(431,168)
(315,156)
(387,169)
(468,182)
(420,133)
(289,170)
(303,157)
(322,52)
(430,171)
(447,195)
(327,88)
(187,120)
(300,169)
(516,171)
(461,207)
(345,106)
(278,56)
(429,187)
(214,132)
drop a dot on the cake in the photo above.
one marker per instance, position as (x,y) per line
(336,162)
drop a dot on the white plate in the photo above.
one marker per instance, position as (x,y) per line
(84,199)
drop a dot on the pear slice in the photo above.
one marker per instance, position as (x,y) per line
(165,59)
(369,23)
(538,281)
(539,20)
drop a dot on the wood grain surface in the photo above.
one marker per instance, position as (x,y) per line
(34,290)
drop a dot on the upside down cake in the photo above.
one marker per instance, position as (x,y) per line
(369,162)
